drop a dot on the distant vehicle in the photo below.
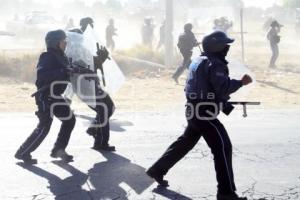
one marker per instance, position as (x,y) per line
(34,24)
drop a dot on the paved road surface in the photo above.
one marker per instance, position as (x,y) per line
(266,159)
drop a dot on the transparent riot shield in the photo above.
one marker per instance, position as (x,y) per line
(114,77)
(77,52)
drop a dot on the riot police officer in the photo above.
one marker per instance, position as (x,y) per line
(99,128)
(207,91)
(186,42)
(51,68)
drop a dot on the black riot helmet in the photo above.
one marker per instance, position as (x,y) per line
(216,42)
(188,27)
(84,22)
(53,38)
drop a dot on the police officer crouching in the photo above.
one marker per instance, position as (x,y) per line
(52,79)
(207,91)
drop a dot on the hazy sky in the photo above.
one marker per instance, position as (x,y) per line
(258,3)
(261,3)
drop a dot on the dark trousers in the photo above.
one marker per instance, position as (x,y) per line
(62,111)
(275,54)
(100,125)
(184,65)
(217,139)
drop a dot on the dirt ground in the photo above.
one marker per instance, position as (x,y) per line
(275,88)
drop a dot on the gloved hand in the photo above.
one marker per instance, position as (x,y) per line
(246,79)
(227,108)
(103,54)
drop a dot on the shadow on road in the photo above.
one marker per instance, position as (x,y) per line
(108,177)
(62,189)
(115,125)
(170,194)
(115,178)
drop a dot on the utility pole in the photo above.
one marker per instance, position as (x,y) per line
(169,33)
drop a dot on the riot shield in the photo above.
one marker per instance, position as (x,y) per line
(77,52)
(113,75)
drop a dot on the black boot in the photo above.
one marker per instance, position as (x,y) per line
(92,131)
(27,159)
(232,196)
(159,178)
(62,154)
(104,148)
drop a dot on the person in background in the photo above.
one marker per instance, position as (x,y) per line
(186,42)
(274,39)
(109,33)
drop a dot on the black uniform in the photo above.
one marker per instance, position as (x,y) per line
(208,75)
(186,42)
(100,125)
(52,67)
(105,107)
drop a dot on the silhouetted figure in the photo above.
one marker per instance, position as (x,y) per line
(148,32)
(274,39)
(222,24)
(186,42)
(109,33)
(162,31)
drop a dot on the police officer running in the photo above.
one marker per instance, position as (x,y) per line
(208,89)
(99,128)
(51,68)
(186,42)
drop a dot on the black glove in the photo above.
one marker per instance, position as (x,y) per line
(228,108)
(102,53)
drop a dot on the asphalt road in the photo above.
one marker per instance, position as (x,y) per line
(266,159)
